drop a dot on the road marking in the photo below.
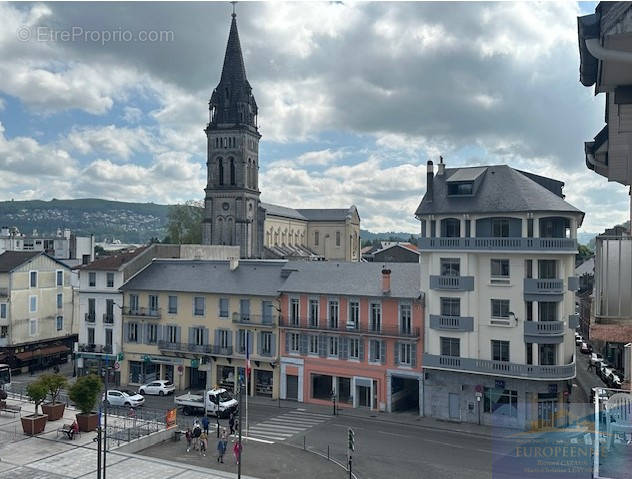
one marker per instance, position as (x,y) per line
(290,421)
(258,440)
(307,415)
(278,426)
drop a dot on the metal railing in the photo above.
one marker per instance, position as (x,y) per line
(452,283)
(499,368)
(557,244)
(342,328)
(108,318)
(89,317)
(451,323)
(254,319)
(150,313)
(544,328)
(211,349)
(95,348)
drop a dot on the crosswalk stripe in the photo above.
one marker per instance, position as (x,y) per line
(277,426)
(275,433)
(289,421)
(268,436)
(307,414)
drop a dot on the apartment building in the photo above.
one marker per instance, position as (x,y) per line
(36,311)
(605,48)
(353,332)
(497,262)
(193,321)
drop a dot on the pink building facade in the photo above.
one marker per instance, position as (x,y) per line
(353,332)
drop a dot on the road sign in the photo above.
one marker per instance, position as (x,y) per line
(117,365)
(478,394)
(180,369)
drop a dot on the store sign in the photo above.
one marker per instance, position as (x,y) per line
(499,384)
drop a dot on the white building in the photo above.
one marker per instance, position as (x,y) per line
(497,264)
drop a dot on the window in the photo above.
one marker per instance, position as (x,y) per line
(354,348)
(500,350)
(502,402)
(450,347)
(266,343)
(294,312)
(109,280)
(405,319)
(337,238)
(108,337)
(468,228)
(133,302)
(60,323)
(244,309)
(500,227)
(3,310)
(198,336)
(173,304)
(91,309)
(460,189)
(313,344)
(172,334)
(450,267)
(132,332)
(59,275)
(4,331)
(433,228)
(529,309)
(223,337)
(500,308)
(500,270)
(92,279)
(547,311)
(198,306)
(223,307)
(530,228)
(316,238)
(333,314)
(33,327)
(354,315)
(313,313)
(60,300)
(90,335)
(376,317)
(548,354)
(529,348)
(405,354)
(450,306)
(33,279)
(266,310)
(333,346)
(153,303)
(547,269)
(375,350)
(451,228)
(152,333)
(244,336)
(294,342)
(528,268)
(33,304)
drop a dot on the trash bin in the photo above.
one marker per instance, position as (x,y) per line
(176,435)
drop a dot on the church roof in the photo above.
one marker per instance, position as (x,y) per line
(309,214)
(283,211)
(234,69)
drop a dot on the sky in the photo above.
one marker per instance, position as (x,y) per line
(110,100)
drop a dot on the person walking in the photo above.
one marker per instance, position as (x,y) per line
(237,451)
(203,444)
(221,447)
(205,424)
(231,423)
(196,433)
(188,437)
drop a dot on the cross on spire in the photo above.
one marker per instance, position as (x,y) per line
(234,2)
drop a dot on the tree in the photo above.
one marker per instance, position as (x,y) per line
(54,383)
(584,252)
(37,391)
(84,392)
(184,223)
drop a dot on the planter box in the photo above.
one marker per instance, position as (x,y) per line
(54,411)
(34,424)
(88,422)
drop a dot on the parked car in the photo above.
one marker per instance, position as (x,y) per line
(583,348)
(123,398)
(613,380)
(595,358)
(160,387)
(604,372)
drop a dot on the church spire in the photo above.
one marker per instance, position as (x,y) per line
(232,101)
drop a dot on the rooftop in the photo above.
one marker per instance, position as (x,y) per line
(308,214)
(9,260)
(113,262)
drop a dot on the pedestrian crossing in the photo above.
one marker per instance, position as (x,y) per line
(285,426)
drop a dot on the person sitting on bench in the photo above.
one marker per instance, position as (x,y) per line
(73,430)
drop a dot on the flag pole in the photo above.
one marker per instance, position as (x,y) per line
(247,377)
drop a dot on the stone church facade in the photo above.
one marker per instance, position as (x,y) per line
(233,211)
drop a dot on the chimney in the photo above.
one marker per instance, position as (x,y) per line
(429,178)
(386,280)
(441,169)
(234,263)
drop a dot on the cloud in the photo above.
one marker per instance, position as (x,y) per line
(112,140)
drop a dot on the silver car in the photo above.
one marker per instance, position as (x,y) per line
(160,387)
(123,398)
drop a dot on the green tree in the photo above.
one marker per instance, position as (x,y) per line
(54,384)
(37,391)
(584,252)
(184,223)
(84,392)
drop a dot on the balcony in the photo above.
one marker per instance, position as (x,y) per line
(498,368)
(89,317)
(95,348)
(485,244)
(543,289)
(451,323)
(143,313)
(208,349)
(573,321)
(258,320)
(341,328)
(452,283)
(544,332)
(108,318)
(4,292)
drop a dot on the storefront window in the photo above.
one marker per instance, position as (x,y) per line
(321,386)
(263,383)
(344,390)
(499,401)
(226,377)
(135,372)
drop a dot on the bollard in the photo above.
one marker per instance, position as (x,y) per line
(328,452)
(303,443)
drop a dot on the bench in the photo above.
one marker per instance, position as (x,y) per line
(618,416)
(4,407)
(67,430)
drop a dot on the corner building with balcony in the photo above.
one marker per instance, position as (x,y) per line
(497,261)
(352,331)
(189,321)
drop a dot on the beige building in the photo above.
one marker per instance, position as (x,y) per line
(189,321)
(332,234)
(36,310)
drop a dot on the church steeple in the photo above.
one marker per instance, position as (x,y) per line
(232,101)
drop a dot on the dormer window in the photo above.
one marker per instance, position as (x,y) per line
(461,189)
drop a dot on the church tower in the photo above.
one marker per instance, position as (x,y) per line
(232,209)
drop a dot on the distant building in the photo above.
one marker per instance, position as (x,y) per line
(396,252)
(36,310)
(233,212)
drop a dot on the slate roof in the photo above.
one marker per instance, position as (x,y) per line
(113,262)
(321,214)
(354,279)
(587,267)
(502,190)
(9,260)
(252,277)
(277,210)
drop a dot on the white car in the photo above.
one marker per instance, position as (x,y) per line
(160,387)
(123,398)
(595,358)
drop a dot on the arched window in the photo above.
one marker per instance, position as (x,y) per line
(216,142)
(220,171)
(248,166)
(232,171)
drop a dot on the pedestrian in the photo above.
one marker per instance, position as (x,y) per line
(221,447)
(188,437)
(590,366)
(196,432)
(237,451)
(203,444)
(231,423)
(205,424)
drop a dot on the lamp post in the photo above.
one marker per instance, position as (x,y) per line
(240,448)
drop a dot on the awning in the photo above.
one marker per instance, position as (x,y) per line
(37,353)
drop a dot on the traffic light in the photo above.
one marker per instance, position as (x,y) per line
(351,437)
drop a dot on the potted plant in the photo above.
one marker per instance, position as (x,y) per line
(54,384)
(84,394)
(35,423)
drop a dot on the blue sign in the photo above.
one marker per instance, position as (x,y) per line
(499,384)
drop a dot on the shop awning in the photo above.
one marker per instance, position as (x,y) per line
(38,353)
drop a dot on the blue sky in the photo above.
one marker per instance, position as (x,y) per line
(353,98)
